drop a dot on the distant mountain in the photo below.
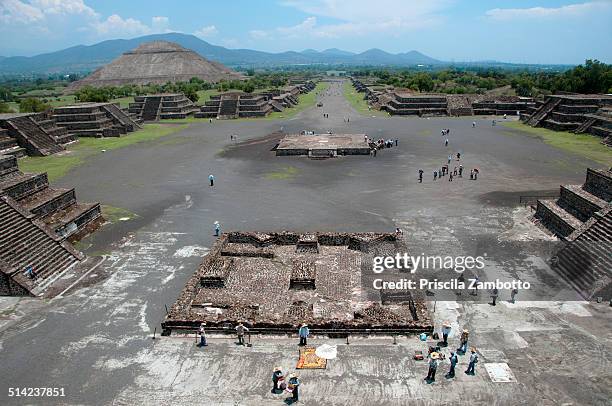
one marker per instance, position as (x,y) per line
(82,58)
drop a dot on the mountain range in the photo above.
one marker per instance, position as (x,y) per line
(85,58)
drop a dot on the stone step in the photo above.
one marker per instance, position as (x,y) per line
(22,185)
(49,201)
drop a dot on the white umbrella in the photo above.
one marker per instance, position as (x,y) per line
(327,351)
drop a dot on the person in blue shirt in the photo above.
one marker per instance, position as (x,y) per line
(453,363)
(304,332)
(217,228)
(473,361)
(294,384)
(211,179)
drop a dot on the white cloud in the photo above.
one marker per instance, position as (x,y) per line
(15,11)
(207,31)
(117,27)
(64,7)
(361,17)
(160,24)
(300,29)
(570,10)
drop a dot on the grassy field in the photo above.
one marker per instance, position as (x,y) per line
(586,145)
(57,166)
(359,103)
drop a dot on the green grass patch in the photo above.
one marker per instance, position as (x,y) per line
(115,214)
(358,102)
(286,172)
(425,133)
(58,165)
(123,101)
(306,100)
(585,145)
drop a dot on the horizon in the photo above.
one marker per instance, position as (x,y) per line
(446,30)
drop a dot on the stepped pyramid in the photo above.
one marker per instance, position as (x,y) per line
(156,62)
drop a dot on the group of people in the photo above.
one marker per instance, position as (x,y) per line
(380,144)
(445,169)
(435,355)
(290,384)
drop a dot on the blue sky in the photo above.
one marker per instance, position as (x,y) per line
(524,31)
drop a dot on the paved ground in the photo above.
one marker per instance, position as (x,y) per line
(96,341)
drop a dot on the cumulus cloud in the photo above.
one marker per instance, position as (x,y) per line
(15,11)
(160,24)
(118,26)
(64,7)
(207,31)
(358,18)
(570,10)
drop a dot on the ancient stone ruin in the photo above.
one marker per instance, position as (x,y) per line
(34,134)
(405,102)
(35,223)
(241,105)
(275,281)
(576,204)
(95,120)
(582,217)
(579,113)
(156,62)
(154,107)
(323,145)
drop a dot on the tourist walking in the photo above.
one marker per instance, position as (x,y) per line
(420,176)
(396,141)
(455,171)
(460,171)
(463,341)
(473,361)
(304,332)
(453,363)
(433,366)
(277,378)
(513,293)
(217,228)
(494,295)
(240,330)
(29,272)
(435,172)
(202,333)
(450,177)
(473,124)
(446,142)
(446,329)
(294,385)
(211,179)
(458,156)
(450,158)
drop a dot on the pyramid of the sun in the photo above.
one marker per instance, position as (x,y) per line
(156,62)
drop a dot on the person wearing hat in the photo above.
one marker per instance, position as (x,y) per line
(473,361)
(464,342)
(304,332)
(433,366)
(240,329)
(445,332)
(217,228)
(202,333)
(294,385)
(453,363)
(277,374)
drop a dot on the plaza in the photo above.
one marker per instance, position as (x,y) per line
(98,333)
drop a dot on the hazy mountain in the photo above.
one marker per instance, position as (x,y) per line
(84,58)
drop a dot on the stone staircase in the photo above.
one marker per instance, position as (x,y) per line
(29,133)
(9,145)
(150,110)
(26,242)
(584,127)
(121,117)
(57,208)
(228,108)
(543,111)
(586,262)
(576,204)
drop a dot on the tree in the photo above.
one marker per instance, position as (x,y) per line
(192,94)
(32,105)
(4,108)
